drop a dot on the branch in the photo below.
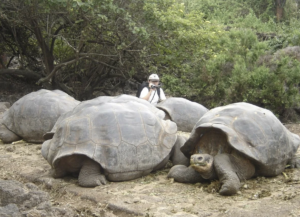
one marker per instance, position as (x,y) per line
(97,61)
(67,42)
(103,42)
(55,34)
(25,73)
(105,78)
(56,68)
(96,54)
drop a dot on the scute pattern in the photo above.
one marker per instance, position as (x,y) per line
(118,99)
(253,131)
(122,136)
(36,113)
(183,112)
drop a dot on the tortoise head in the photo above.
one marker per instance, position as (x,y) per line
(202,163)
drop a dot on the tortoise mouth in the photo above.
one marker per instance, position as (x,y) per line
(199,164)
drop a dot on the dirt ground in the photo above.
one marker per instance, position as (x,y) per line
(154,195)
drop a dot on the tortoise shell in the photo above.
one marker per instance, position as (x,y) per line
(183,112)
(103,99)
(126,138)
(36,113)
(250,130)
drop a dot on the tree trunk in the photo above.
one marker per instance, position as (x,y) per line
(47,55)
(279,9)
(3,61)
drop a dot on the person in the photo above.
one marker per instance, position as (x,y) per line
(151,94)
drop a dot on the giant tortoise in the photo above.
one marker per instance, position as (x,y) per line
(111,140)
(234,143)
(34,114)
(183,112)
(103,99)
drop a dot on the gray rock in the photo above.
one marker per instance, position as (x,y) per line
(10,210)
(17,199)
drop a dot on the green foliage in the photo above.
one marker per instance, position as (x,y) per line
(275,90)
(181,41)
(209,51)
(236,76)
(233,12)
(233,72)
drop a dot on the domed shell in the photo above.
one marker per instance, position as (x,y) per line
(123,137)
(251,130)
(183,112)
(36,113)
(103,99)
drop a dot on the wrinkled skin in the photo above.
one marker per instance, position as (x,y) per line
(230,167)
(89,172)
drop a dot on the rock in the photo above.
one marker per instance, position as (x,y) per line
(17,199)
(10,210)
(10,149)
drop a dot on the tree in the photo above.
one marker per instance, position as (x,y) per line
(83,46)
(77,46)
(279,4)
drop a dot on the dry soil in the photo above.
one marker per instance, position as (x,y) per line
(154,195)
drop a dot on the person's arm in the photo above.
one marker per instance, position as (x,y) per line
(145,94)
(162,95)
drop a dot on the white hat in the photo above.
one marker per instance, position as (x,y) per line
(153,77)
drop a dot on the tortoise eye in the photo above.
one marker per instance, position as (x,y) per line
(200,158)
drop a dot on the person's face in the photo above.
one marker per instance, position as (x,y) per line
(155,82)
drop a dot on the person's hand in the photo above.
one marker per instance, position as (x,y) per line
(153,83)
(151,89)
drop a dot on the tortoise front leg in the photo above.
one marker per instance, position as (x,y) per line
(90,174)
(226,174)
(231,169)
(184,174)
(58,173)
